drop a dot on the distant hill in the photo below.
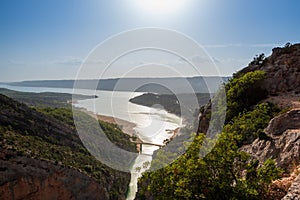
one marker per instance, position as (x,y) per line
(44,99)
(188,110)
(154,85)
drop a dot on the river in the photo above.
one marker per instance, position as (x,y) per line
(151,123)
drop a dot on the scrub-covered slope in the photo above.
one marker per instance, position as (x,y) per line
(42,157)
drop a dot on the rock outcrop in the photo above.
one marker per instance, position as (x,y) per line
(286,121)
(294,190)
(282,69)
(27,178)
(284,141)
(283,146)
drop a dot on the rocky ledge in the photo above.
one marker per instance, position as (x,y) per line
(282,69)
(283,86)
(27,178)
(283,144)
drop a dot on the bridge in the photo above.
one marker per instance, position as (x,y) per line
(147,143)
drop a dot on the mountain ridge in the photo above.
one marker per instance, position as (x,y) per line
(200,84)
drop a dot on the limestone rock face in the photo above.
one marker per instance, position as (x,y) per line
(27,178)
(284,143)
(283,146)
(282,69)
(289,120)
(294,190)
(282,77)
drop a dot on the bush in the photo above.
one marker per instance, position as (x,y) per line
(243,92)
(250,125)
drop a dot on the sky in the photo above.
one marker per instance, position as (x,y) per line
(50,39)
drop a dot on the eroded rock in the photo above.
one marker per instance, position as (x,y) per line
(284,143)
(27,178)
(294,190)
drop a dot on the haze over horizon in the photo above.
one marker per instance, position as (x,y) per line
(49,40)
(151,77)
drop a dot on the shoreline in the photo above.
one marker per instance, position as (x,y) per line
(126,126)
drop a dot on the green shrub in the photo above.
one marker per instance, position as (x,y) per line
(244,92)
(258,59)
(250,125)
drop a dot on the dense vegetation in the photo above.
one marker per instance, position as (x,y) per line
(119,138)
(249,125)
(244,92)
(225,172)
(112,131)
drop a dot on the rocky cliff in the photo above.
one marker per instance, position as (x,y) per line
(282,87)
(284,142)
(282,69)
(27,178)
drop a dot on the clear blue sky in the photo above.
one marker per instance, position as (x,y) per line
(48,39)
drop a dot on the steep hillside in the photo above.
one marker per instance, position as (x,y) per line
(261,133)
(23,177)
(281,86)
(43,157)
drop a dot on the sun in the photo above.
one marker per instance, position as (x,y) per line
(160,7)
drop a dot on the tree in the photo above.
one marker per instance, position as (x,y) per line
(287,45)
(258,59)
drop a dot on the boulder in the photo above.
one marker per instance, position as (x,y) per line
(284,142)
